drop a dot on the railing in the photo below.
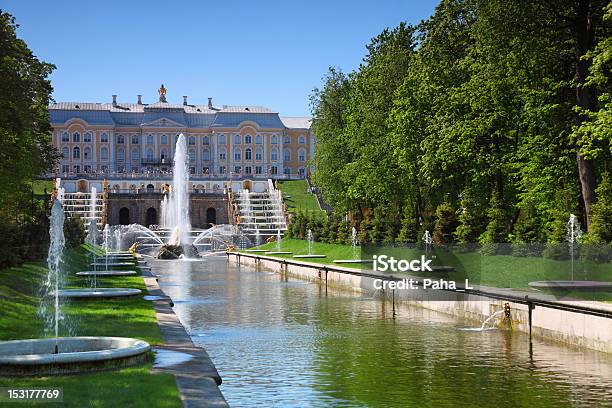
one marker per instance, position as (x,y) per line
(167,175)
(157,191)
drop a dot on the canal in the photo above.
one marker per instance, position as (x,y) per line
(288,343)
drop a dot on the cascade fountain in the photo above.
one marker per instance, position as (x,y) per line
(277,250)
(354,251)
(64,355)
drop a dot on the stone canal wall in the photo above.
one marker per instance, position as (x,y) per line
(575,323)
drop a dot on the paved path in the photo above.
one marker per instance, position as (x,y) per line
(197,378)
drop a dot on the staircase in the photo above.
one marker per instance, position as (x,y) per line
(260,213)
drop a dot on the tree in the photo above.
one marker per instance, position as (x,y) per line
(445,224)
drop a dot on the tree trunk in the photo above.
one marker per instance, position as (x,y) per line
(585,98)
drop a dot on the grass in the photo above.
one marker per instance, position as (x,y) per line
(296,196)
(503,271)
(134,386)
(39,186)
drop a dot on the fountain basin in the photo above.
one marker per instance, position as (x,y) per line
(76,355)
(571,285)
(98,293)
(106,273)
(352,261)
(255,250)
(113,264)
(278,253)
(310,256)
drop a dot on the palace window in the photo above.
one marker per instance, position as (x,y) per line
(205,170)
(248,139)
(135,154)
(206,141)
(76,153)
(274,139)
(274,154)
(120,139)
(258,154)
(237,170)
(286,139)
(150,139)
(87,168)
(237,154)
(76,169)
(237,139)
(221,169)
(87,137)
(87,153)
(191,170)
(65,168)
(104,169)
(258,139)
(65,137)
(301,171)
(206,155)
(286,154)
(104,138)
(191,140)
(302,140)
(287,171)
(76,137)
(258,169)
(192,155)
(222,156)
(221,139)
(65,153)
(247,154)
(247,170)
(120,154)
(274,170)
(134,139)
(164,139)
(104,153)
(163,154)
(302,155)
(150,154)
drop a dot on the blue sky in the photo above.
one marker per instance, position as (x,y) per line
(238,52)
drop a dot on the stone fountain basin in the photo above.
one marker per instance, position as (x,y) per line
(310,256)
(571,285)
(278,253)
(256,250)
(353,261)
(76,355)
(98,293)
(113,264)
(107,273)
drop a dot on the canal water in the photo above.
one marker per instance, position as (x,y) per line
(288,343)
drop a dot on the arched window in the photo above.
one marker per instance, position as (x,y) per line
(120,154)
(287,154)
(258,154)
(222,155)
(103,138)
(222,139)
(302,155)
(302,140)
(248,139)
(163,154)
(76,137)
(274,139)
(248,154)
(65,137)
(164,139)
(135,139)
(76,153)
(205,141)
(87,153)
(150,154)
(258,139)
(191,140)
(237,139)
(274,154)
(120,139)
(135,154)
(237,153)
(104,153)
(65,153)
(150,139)
(206,155)
(192,155)
(286,139)
(87,137)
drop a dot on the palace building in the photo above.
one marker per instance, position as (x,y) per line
(131,145)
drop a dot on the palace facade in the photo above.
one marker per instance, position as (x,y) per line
(131,145)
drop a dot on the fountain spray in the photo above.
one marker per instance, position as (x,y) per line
(54,259)
(573,236)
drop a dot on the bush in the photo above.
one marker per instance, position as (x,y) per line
(74,232)
(445,224)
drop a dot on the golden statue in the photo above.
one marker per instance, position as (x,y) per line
(162,93)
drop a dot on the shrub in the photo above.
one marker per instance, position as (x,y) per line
(74,231)
(445,224)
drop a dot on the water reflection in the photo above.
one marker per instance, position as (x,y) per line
(278,343)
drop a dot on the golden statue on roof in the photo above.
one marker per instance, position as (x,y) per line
(162,93)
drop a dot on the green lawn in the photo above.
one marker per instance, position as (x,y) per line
(134,386)
(39,186)
(502,271)
(297,198)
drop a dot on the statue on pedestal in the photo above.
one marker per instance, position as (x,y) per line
(162,94)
